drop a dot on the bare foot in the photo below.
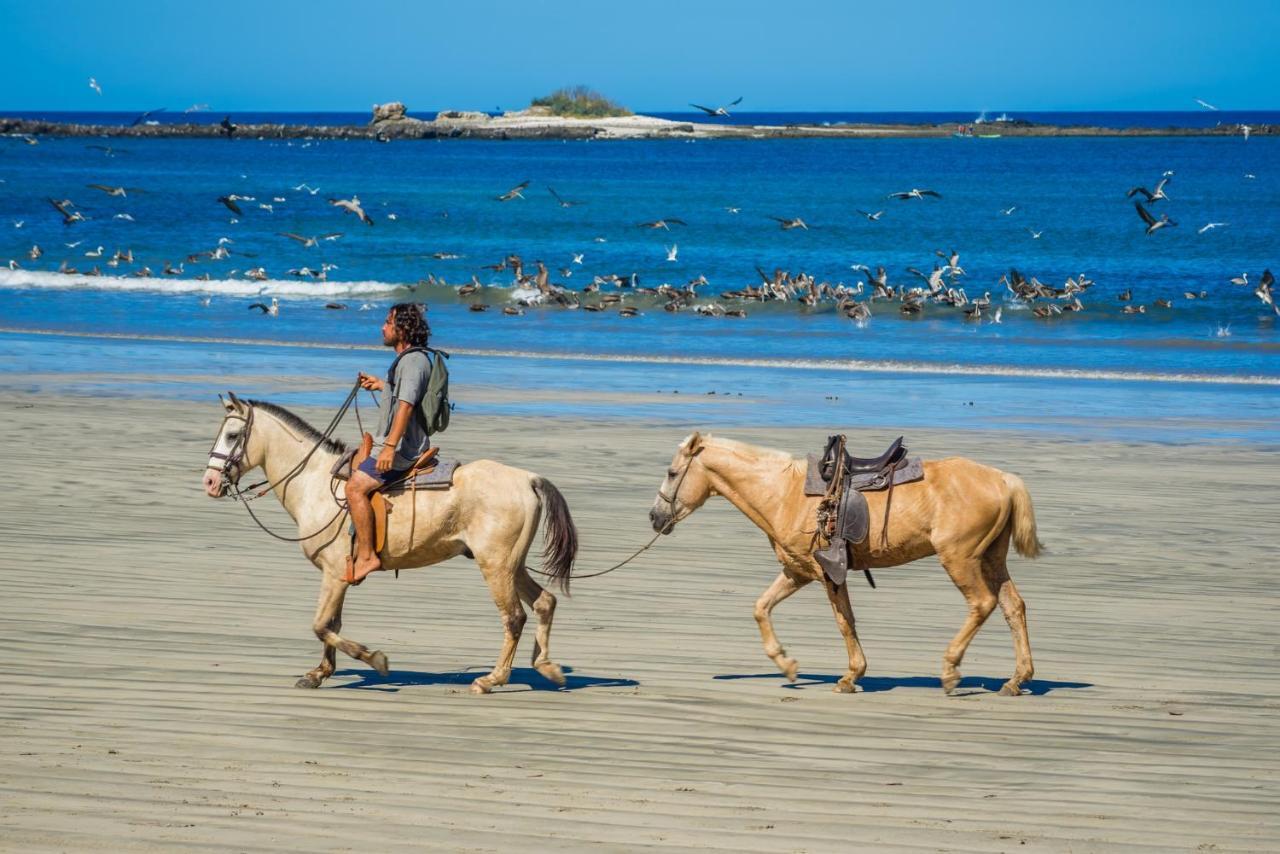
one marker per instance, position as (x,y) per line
(362,568)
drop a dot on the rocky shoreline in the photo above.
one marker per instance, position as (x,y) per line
(390,122)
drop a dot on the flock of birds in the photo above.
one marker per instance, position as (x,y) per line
(940,286)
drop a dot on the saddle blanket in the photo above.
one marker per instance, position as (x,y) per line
(439,476)
(861,481)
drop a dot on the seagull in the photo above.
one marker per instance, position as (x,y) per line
(95,85)
(872,217)
(718,111)
(672,250)
(731,209)
(127,217)
(1153,224)
(515,192)
(142,117)
(660,223)
(788,224)
(309,241)
(19,223)
(914,193)
(1210,226)
(1008,210)
(1035,235)
(352,205)
(113,191)
(564,203)
(1151,197)
(273,309)
(577,257)
(266,207)
(1245,129)
(309,189)
(1205,104)
(73,245)
(230,202)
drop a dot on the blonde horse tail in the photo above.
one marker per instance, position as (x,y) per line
(560,538)
(1024,518)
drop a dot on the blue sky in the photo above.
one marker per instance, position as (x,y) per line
(654,55)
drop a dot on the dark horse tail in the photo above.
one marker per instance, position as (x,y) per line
(560,538)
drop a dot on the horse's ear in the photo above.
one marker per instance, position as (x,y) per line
(232,403)
(694,443)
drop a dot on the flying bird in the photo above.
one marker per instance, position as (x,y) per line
(1035,235)
(310,241)
(1264,291)
(1210,226)
(564,203)
(142,117)
(113,191)
(230,202)
(662,223)
(1153,224)
(515,192)
(1009,210)
(64,207)
(273,309)
(872,217)
(913,193)
(95,85)
(1205,104)
(672,250)
(1151,196)
(352,205)
(718,111)
(788,224)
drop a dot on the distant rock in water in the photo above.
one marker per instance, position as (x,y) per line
(392,111)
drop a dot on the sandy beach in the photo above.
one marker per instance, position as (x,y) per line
(153,636)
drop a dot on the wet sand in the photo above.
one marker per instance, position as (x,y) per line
(153,635)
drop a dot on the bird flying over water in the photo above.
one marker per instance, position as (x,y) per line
(64,207)
(95,85)
(310,241)
(230,202)
(142,117)
(872,217)
(1153,224)
(564,203)
(273,309)
(718,111)
(352,205)
(672,250)
(788,224)
(515,192)
(914,193)
(662,223)
(1151,196)
(113,191)
(1210,226)
(1205,104)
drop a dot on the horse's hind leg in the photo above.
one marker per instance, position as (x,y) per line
(966,572)
(502,586)
(782,587)
(327,623)
(1015,614)
(543,603)
(839,597)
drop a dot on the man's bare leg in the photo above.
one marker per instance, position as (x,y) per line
(359,487)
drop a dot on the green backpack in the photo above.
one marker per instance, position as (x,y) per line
(433,412)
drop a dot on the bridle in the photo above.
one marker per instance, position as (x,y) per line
(675,493)
(235,455)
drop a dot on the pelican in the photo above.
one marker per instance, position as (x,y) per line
(564,203)
(788,224)
(1194,295)
(230,202)
(1264,291)
(94,253)
(64,207)
(1242,279)
(309,241)
(515,192)
(273,309)
(658,223)
(718,111)
(95,85)
(1151,196)
(872,217)
(35,252)
(352,205)
(672,250)
(1153,224)
(1210,226)
(914,193)
(113,191)
(267,207)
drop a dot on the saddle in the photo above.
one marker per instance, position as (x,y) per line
(843,516)
(426,472)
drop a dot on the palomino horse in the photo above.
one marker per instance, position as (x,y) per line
(963,512)
(491,514)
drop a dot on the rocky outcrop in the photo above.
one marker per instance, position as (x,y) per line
(389,112)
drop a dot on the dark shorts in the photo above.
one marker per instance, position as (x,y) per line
(370,467)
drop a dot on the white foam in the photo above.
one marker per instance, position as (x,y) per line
(283,288)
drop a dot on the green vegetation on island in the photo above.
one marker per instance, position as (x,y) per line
(580,102)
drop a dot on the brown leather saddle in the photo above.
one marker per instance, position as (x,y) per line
(423,465)
(843,516)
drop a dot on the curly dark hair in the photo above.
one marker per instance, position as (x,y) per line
(409,321)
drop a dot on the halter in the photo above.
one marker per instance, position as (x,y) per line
(235,456)
(675,493)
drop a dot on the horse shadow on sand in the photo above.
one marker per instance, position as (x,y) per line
(522,679)
(969,685)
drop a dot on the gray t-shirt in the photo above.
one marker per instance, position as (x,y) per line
(410,385)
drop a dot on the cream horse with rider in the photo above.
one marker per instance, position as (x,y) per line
(964,512)
(490,513)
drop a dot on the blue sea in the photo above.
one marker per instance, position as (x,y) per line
(1205,368)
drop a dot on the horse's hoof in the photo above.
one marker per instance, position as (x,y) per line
(789,668)
(843,687)
(378,662)
(307,681)
(1010,689)
(551,671)
(480,687)
(949,683)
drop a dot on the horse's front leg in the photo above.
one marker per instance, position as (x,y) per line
(326,625)
(782,587)
(843,610)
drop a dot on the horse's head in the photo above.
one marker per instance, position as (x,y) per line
(227,457)
(685,488)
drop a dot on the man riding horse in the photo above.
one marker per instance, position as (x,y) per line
(402,433)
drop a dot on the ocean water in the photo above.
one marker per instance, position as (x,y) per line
(1204,359)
